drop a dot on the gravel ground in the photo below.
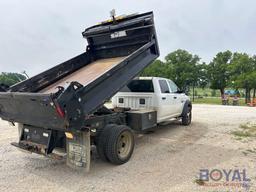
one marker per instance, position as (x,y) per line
(169,159)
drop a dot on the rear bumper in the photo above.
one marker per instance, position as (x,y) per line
(43,142)
(36,148)
(30,147)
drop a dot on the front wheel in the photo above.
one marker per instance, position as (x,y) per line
(187,116)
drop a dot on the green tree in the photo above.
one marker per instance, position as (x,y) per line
(156,69)
(218,71)
(242,71)
(203,78)
(183,68)
(11,78)
(252,80)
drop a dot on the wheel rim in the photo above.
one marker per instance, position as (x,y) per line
(124,144)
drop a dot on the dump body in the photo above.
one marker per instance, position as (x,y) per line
(64,96)
(86,74)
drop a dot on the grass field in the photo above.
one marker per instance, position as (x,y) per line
(207,92)
(214,101)
(207,100)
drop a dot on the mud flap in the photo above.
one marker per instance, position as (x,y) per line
(79,151)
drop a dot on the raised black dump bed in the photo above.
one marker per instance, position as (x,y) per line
(63,106)
(62,97)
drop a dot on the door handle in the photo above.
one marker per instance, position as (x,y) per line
(174,97)
(163,98)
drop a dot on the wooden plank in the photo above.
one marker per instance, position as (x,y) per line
(86,74)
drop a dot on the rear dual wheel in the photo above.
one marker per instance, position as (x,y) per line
(115,144)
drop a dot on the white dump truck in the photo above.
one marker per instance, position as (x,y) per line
(63,107)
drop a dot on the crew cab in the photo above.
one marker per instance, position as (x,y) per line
(155,93)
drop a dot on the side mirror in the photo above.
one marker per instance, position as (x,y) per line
(183,91)
(180,91)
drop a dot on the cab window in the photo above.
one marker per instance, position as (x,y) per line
(164,86)
(173,87)
(145,86)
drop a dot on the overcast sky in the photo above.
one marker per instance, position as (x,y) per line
(38,34)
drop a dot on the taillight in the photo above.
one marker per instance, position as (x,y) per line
(142,101)
(59,111)
(121,100)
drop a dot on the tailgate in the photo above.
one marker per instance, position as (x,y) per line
(30,108)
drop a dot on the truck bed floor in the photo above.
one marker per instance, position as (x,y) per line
(86,74)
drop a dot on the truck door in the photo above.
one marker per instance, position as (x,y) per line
(177,97)
(166,101)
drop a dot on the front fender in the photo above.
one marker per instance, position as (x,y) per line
(187,105)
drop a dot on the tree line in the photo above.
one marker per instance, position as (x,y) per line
(227,69)
(9,79)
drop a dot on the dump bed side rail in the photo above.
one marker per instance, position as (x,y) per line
(46,78)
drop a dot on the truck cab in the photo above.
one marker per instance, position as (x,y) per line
(154,93)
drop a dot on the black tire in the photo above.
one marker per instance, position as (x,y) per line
(101,141)
(120,144)
(187,116)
